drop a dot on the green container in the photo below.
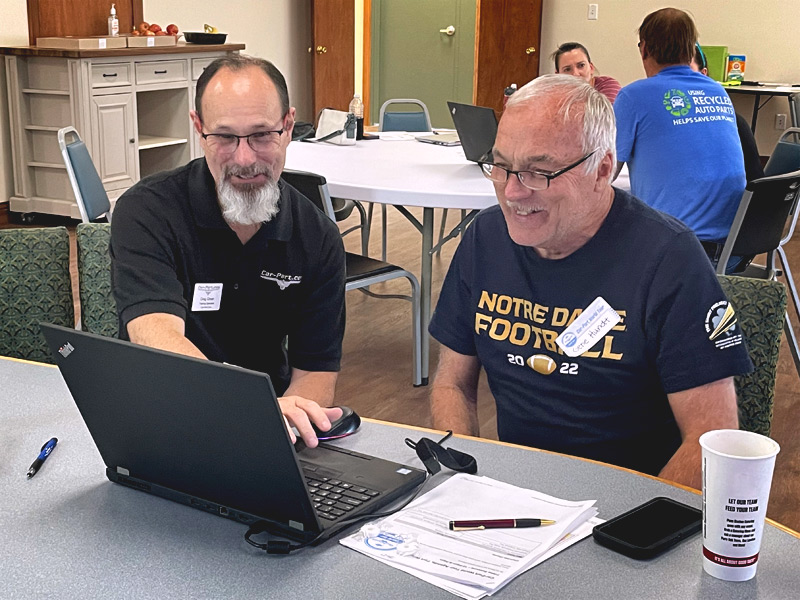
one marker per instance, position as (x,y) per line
(717,59)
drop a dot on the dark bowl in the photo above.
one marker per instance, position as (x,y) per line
(199,37)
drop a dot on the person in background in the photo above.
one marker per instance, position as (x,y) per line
(676,129)
(637,395)
(222,260)
(752,160)
(572,58)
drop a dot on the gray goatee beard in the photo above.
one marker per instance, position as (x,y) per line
(248,204)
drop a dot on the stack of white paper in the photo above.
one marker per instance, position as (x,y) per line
(473,564)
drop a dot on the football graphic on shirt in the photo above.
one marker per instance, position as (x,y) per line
(541,363)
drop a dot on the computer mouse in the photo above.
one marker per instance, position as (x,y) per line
(345,425)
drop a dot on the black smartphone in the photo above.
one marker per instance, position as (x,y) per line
(647,530)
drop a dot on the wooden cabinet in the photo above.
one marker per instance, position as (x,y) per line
(131,109)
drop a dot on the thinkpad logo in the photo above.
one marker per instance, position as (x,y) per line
(283,281)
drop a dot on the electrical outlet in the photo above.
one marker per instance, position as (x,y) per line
(780,122)
(592,15)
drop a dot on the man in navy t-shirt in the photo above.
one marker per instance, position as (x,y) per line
(650,382)
(676,129)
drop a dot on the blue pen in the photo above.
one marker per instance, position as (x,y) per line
(45,452)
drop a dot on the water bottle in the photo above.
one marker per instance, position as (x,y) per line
(357,108)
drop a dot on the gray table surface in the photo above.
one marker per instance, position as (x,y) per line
(70,533)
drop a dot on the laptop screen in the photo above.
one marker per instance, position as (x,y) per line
(476,126)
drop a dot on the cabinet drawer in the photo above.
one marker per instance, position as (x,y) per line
(111,74)
(199,65)
(161,71)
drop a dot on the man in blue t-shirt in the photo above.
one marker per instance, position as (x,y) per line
(643,389)
(677,132)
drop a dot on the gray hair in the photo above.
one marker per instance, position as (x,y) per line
(578,98)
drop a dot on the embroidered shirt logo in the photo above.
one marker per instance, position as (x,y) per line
(283,281)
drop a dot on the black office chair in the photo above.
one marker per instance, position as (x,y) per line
(758,228)
(90,194)
(363,271)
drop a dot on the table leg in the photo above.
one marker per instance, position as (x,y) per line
(753,121)
(425,285)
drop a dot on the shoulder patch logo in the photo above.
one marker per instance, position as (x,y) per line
(721,325)
(677,103)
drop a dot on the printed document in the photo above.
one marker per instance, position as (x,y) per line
(473,564)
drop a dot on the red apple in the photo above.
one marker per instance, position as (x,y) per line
(172,29)
(155,27)
(144,26)
(161,33)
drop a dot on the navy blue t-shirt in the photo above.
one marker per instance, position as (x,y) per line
(505,304)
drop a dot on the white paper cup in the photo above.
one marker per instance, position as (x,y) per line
(737,474)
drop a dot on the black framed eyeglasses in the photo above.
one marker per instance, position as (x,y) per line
(533,180)
(260,141)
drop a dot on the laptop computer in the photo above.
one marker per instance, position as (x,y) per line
(440,139)
(212,436)
(476,127)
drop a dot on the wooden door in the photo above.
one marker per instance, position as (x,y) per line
(423,50)
(333,51)
(508,33)
(84,17)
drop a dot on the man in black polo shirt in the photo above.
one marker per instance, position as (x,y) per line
(220,259)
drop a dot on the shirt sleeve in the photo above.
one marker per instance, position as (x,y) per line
(143,269)
(315,342)
(690,324)
(452,321)
(624,111)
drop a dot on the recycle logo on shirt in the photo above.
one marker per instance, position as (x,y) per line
(677,103)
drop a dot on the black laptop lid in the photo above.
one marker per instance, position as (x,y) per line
(201,428)
(476,126)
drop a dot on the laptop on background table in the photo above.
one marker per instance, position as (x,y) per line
(212,436)
(476,127)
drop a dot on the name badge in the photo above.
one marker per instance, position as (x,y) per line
(588,329)
(207,296)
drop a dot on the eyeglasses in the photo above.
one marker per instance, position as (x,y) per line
(227,143)
(533,180)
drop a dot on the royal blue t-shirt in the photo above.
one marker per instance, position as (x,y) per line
(677,132)
(506,305)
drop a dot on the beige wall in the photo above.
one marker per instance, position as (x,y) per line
(764,30)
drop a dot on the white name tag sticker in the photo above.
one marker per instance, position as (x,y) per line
(589,328)
(207,296)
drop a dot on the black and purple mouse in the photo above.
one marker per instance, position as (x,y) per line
(345,425)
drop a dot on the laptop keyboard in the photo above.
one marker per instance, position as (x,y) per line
(334,498)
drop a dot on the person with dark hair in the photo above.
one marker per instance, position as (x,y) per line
(222,260)
(752,160)
(676,129)
(572,58)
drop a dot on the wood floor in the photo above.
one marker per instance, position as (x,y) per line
(376,369)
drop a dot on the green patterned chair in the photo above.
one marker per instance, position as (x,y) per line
(35,286)
(98,309)
(760,306)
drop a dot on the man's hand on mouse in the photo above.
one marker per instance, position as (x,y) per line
(300,412)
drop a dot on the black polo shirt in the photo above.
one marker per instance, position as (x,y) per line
(168,239)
